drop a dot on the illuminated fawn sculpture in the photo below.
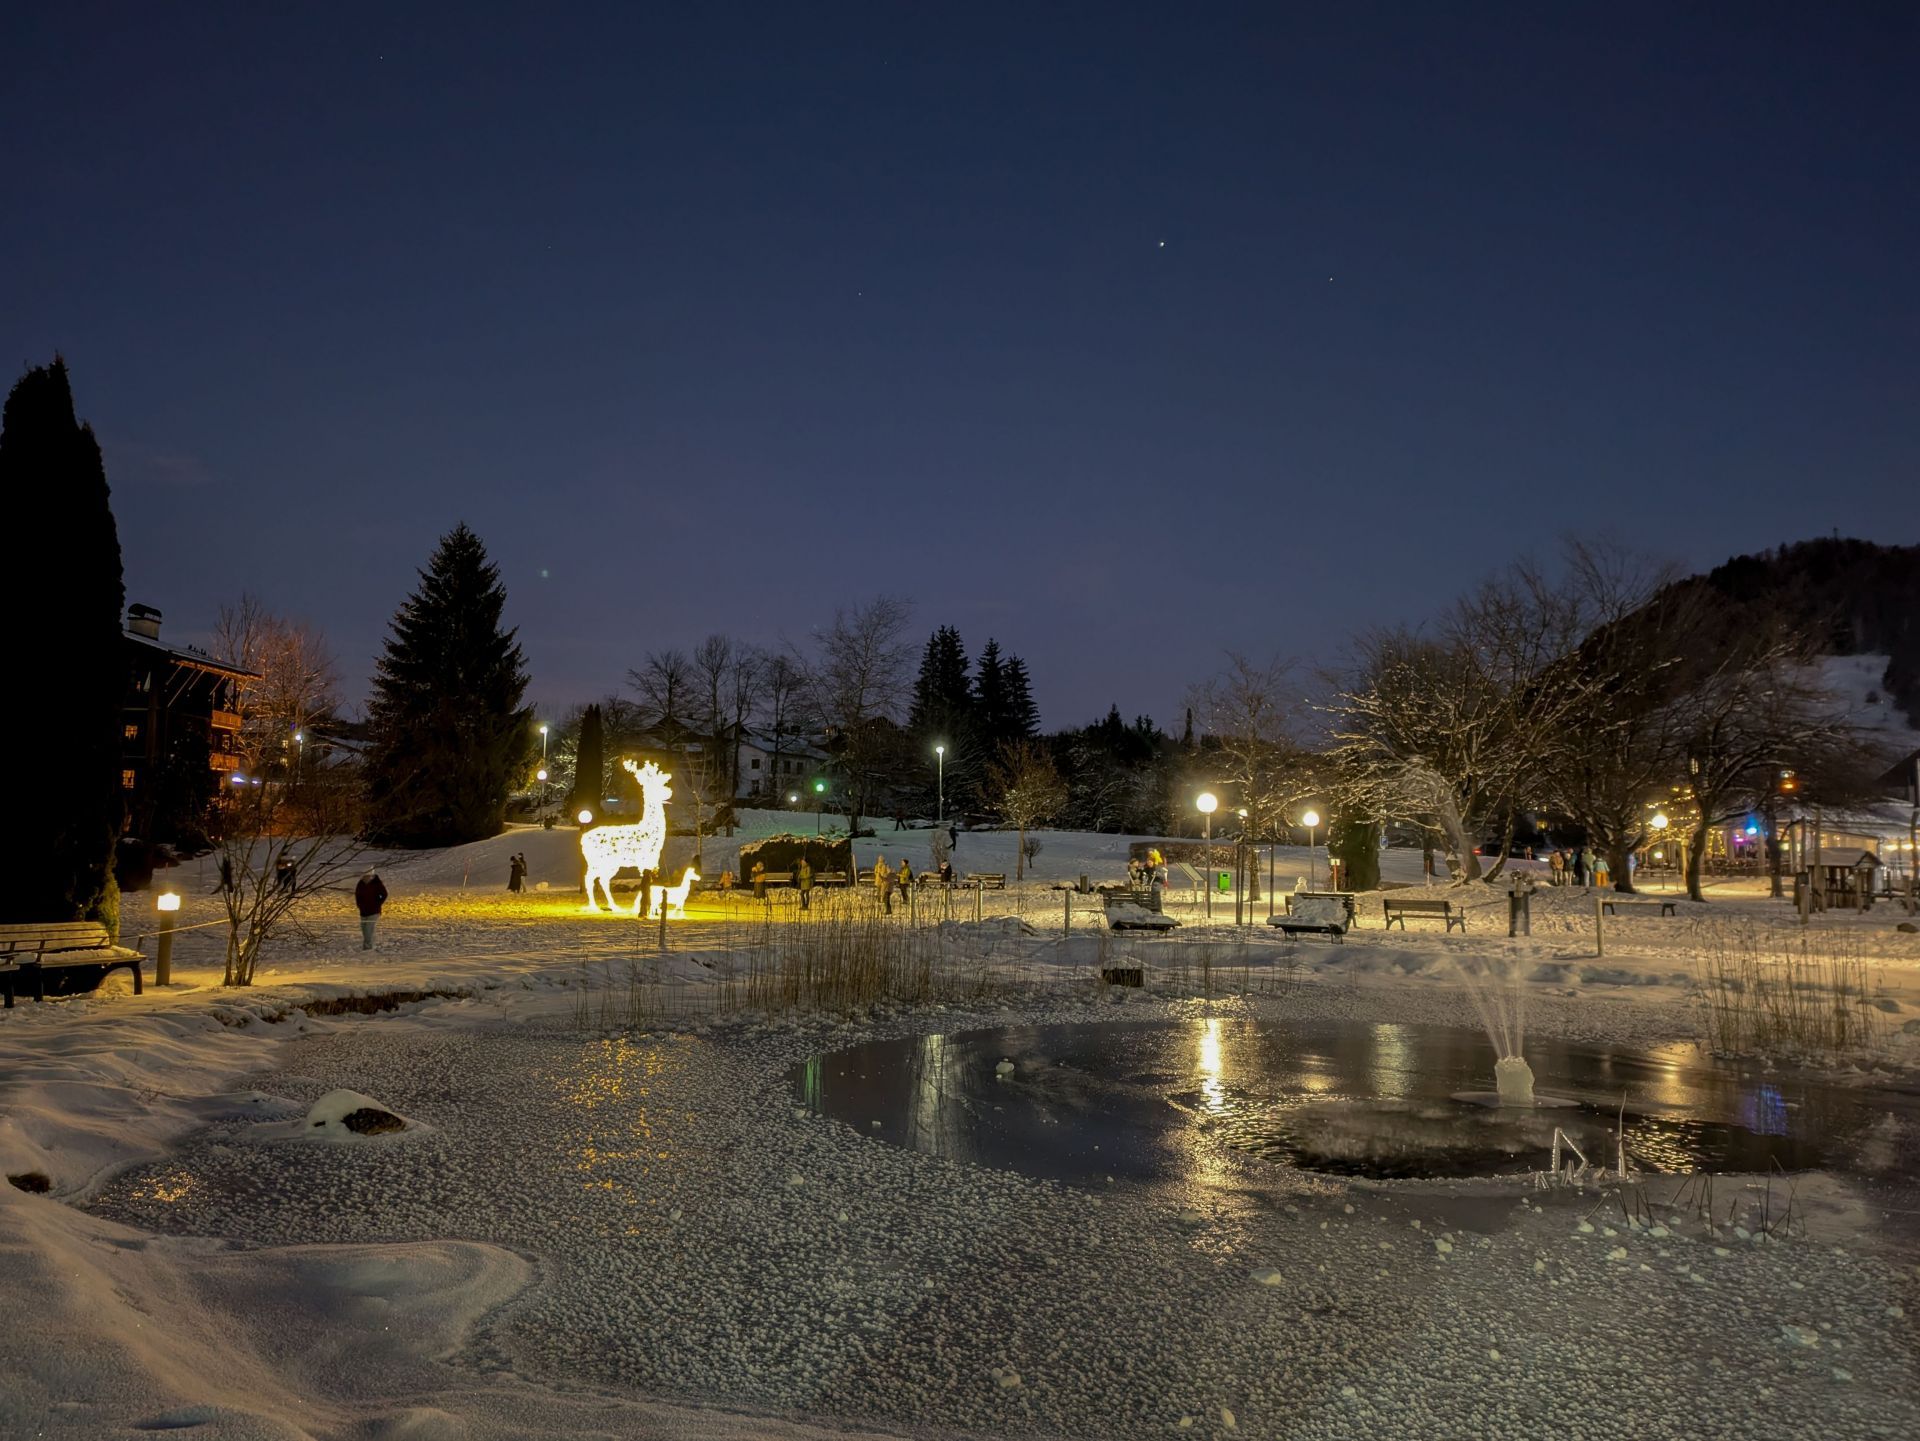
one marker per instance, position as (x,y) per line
(608,848)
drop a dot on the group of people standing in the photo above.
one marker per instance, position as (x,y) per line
(1581,866)
(1152,871)
(517,872)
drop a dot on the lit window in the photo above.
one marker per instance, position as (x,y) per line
(131,731)
(126,780)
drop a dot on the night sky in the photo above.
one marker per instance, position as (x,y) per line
(1124,334)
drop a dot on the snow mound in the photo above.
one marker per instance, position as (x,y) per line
(347,1116)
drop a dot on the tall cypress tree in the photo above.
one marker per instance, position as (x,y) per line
(450,737)
(57,858)
(1023,716)
(590,763)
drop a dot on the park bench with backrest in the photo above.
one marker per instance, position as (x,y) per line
(1135,908)
(1315,915)
(1423,911)
(829,878)
(1666,908)
(75,956)
(988,880)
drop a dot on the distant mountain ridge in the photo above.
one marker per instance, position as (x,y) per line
(1856,597)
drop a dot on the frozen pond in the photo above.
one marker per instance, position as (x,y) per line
(1086,1103)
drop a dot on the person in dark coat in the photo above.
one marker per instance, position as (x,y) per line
(953,837)
(516,872)
(368,896)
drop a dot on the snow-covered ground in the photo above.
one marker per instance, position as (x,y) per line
(633,1232)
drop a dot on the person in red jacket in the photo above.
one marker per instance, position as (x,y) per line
(369,895)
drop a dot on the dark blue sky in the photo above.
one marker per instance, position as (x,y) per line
(1121,333)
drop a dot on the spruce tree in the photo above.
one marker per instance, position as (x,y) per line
(1023,716)
(990,709)
(56,858)
(450,738)
(590,764)
(942,699)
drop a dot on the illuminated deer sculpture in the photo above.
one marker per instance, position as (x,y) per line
(608,848)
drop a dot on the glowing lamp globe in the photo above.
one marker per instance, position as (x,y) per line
(1660,821)
(541,774)
(1207,803)
(1310,819)
(586,818)
(167,901)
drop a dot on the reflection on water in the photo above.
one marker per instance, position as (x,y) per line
(1089,1102)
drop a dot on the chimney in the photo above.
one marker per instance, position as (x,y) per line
(143,620)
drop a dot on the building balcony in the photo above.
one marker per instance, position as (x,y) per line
(226,720)
(221,761)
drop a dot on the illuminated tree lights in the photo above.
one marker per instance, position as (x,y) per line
(608,848)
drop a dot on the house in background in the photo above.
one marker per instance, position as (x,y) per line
(180,727)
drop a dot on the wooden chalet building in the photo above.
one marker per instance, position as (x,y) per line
(181,709)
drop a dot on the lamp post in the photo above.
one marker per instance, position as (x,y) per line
(940,769)
(1208,804)
(167,903)
(299,757)
(543,767)
(1660,823)
(1310,820)
(819,798)
(1240,899)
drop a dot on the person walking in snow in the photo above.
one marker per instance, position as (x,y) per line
(1580,868)
(1602,872)
(803,882)
(368,896)
(883,882)
(516,872)
(953,836)
(1557,865)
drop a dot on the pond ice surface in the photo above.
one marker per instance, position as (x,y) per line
(700,1236)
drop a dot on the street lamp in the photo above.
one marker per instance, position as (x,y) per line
(543,767)
(1208,804)
(1310,820)
(940,762)
(819,796)
(1660,823)
(586,817)
(167,903)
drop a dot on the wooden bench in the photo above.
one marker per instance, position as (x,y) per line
(1667,908)
(829,878)
(1423,911)
(77,955)
(1135,909)
(987,880)
(1315,915)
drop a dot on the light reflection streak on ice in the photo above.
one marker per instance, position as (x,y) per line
(615,1077)
(168,1187)
(1213,1093)
(1392,1059)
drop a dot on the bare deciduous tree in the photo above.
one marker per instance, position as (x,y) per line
(1027,789)
(856,682)
(1247,714)
(663,681)
(293,681)
(275,851)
